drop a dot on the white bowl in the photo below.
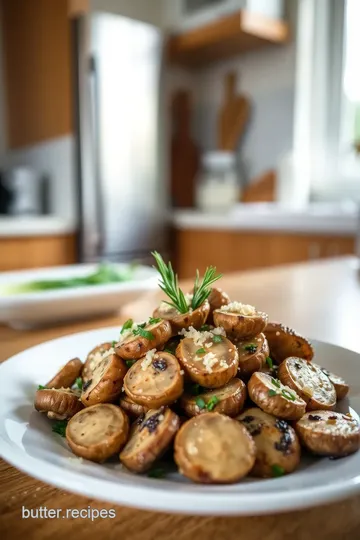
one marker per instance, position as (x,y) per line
(46,307)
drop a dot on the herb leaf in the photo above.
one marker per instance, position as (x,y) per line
(127,325)
(201,351)
(275,382)
(272,393)
(154,320)
(203,289)
(195,389)
(41,387)
(113,343)
(170,285)
(277,470)
(143,333)
(59,427)
(217,339)
(250,348)
(200,402)
(156,472)
(269,362)
(79,383)
(130,363)
(288,395)
(204,328)
(214,400)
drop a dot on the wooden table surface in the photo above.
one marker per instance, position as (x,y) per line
(321,300)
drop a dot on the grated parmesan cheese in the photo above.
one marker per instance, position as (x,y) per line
(209,360)
(238,307)
(200,338)
(148,359)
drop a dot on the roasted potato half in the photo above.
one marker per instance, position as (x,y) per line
(214,449)
(106,382)
(94,358)
(213,364)
(252,355)
(154,381)
(195,318)
(67,375)
(309,382)
(277,445)
(58,403)
(341,386)
(228,399)
(131,408)
(150,437)
(329,433)
(151,336)
(275,398)
(240,321)
(284,342)
(98,432)
(217,298)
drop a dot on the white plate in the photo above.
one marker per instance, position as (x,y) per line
(31,309)
(26,441)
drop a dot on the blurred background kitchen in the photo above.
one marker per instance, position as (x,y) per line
(221,132)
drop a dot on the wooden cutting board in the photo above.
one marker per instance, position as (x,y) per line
(234,115)
(184,151)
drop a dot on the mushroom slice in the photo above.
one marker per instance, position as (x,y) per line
(214,449)
(228,400)
(94,358)
(277,445)
(132,408)
(329,433)
(67,375)
(141,338)
(149,439)
(98,432)
(195,318)
(284,342)
(154,381)
(217,298)
(341,386)
(240,321)
(273,397)
(207,358)
(106,382)
(309,382)
(58,403)
(252,355)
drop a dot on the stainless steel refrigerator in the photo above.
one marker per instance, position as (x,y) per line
(119,138)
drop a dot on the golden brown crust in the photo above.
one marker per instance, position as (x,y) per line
(231,399)
(93,358)
(211,449)
(61,402)
(136,346)
(329,433)
(178,321)
(240,327)
(251,359)
(106,383)
(309,382)
(67,375)
(98,432)
(284,342)
(274,398)
(155,382)
(277,445)
(341,386)
(149,439)
(131,408)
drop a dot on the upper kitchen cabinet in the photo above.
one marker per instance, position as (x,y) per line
(210,30)
(37,70)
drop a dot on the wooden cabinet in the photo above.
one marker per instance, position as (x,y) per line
(34,252)
(37,70)
(231,251)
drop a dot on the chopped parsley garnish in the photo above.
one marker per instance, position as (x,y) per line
(288,395)
(195,389)
(205,328)
(59,427)
(272,393)
(214,400)
(153,320)
(79,383)
(41,387)
(277,470)
(156,472)
(275,382)
(130,363)
(127,326)
(269,362)
(251,348)
(169,351)
(201,351)
(140,331)
(217,339)
(200,402)
(113,343)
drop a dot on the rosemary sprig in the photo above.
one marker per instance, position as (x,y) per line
(203,289)
(170,285)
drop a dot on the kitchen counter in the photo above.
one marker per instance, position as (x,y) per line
(299,295)
(318,218)
(21,226)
